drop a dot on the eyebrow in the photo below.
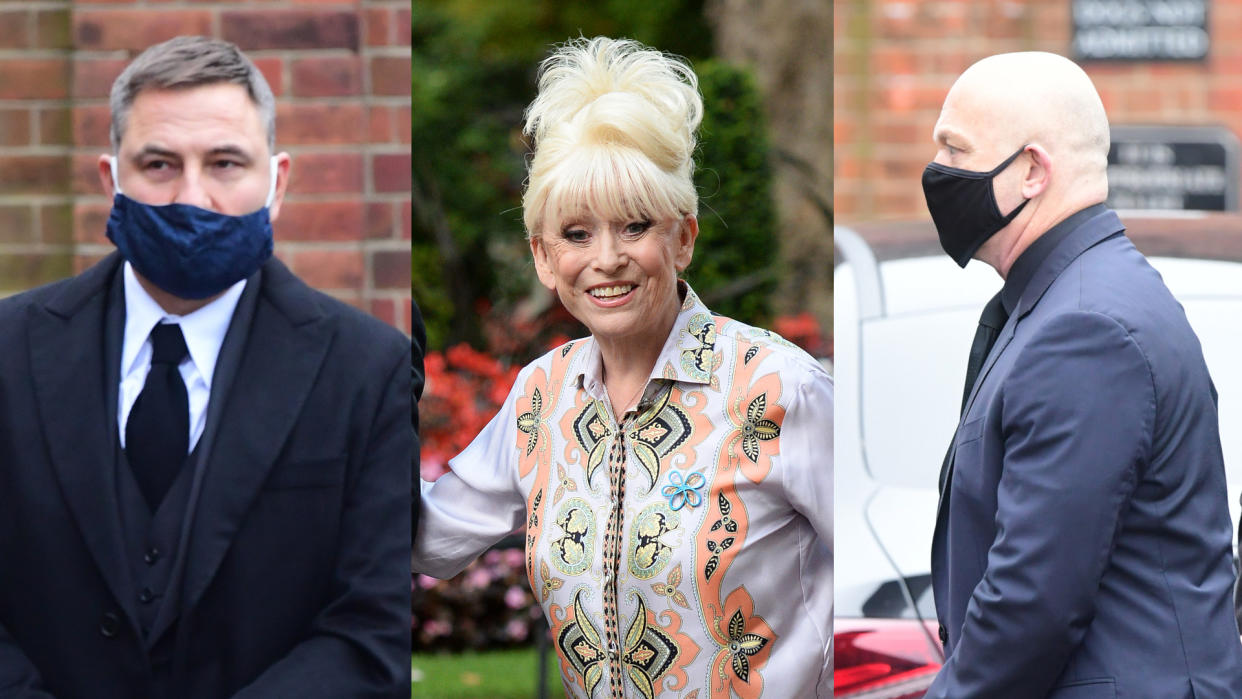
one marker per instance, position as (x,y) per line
(226,149)
(944,133)
(230,149)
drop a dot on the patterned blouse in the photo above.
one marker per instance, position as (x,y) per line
(683,550)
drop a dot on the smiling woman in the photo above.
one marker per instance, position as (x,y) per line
(673,470)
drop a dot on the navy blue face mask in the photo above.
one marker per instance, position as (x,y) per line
(189,252)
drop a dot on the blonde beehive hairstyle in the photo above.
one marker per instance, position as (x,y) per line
(614,134)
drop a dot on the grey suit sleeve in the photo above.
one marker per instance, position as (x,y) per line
(1077,415)
(358,645)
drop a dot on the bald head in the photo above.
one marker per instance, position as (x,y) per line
(1006,101)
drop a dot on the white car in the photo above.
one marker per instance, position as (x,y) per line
(905,316)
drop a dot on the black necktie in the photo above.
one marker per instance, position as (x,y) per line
(157,434)
(990,323)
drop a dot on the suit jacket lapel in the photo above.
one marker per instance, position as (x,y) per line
(1006,336)
(288,340)
(72,397)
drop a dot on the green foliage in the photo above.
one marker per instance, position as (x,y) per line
(735,256)
(474,68)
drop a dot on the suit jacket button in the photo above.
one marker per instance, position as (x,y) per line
(110,625)
(944,635)
(146,596)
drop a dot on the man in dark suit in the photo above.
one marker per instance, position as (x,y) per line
(1083,542)
(204,464)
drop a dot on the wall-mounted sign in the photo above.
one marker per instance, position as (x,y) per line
(1173,167)
(1140,30)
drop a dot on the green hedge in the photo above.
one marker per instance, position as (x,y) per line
(474,69)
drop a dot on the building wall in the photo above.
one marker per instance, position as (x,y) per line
(341,75)
(896,59)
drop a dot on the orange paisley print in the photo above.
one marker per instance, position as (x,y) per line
(538,401)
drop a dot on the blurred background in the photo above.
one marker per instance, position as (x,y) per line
(763,255)
(340,72)
(1169,64)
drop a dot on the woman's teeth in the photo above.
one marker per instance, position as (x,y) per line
(605,292)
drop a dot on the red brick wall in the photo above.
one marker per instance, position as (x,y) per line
(35,144)
(341,75)
(896,59)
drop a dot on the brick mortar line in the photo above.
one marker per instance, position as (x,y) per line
(236,4)
(287,245)
(214,7)
(301,197)
(35,199)
(387,50)
(368,170)
(36,221)
(385,245)
(389,198)
(397,50)
(61,103)
(34,248)
(36,54)
(35,5)
(34,123)
(46,149)
(31,152)
(342,100)
(293,150)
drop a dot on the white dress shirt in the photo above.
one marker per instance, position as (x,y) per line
(204,331)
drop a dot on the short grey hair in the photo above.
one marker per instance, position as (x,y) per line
(190,61)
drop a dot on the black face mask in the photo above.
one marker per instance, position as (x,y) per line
(963,207)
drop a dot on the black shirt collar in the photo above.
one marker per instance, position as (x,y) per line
(1029,261)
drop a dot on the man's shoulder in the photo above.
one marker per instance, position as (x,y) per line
(1114,278)
(14,309)
(1111,287)
(355,329)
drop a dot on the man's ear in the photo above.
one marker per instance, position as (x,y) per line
(283,165)
(687,233)
(543,263)
(104,166)
(1038,174)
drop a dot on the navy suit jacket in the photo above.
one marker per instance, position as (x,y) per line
(1083,544)
(296,569)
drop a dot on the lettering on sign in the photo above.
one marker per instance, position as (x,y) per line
(1141,30)
(1173,168)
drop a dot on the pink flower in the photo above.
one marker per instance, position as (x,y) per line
(427,582)
(515,597)
(516,630)
(515,558)
(435,628)
(478,577)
